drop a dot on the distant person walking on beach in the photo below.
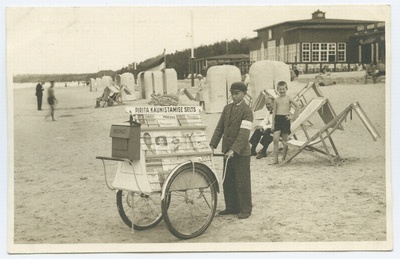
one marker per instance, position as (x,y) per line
(246,80)
(51,99)
(39,95)
(200,93)
(281,119)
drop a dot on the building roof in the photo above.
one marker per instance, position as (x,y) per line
(320,22)
(323,26)
(227,56)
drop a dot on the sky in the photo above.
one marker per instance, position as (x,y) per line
(43,40)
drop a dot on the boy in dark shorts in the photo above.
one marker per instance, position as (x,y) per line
(281,119)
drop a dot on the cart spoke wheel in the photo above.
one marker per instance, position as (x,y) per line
(190,202)
(143,210)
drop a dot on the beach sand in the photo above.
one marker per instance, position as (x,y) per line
(60,196)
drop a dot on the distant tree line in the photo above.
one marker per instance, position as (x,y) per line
(33,78)
(180,61)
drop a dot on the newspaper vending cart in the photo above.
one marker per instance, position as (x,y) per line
(164,170)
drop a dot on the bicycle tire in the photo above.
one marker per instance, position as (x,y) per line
(141,210)
(190,201)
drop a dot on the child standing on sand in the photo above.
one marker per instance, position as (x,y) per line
(281,119)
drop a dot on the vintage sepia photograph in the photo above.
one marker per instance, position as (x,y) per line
(199,128)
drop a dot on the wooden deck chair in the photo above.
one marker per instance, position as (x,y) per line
(103,99)
(259,103)
(299,97)
(187,93)
(327,114)
(126,90)
(115,95)
(247,98)
(325,132)
(271,93)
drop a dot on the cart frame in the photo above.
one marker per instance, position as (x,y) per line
(186,199)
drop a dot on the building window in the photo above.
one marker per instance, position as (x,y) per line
(297,58)
(269,34)
(253,56)
(262,49)
(281,50)
(326,52)
(332,52)
(291,51)
(271,52)
(265,54)
(315,52)
(341,52)
(306,52)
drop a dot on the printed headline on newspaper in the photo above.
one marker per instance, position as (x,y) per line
(163,110)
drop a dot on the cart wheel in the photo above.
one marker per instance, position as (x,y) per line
(190,201)
(143,210)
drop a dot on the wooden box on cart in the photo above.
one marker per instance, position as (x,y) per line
(125,141)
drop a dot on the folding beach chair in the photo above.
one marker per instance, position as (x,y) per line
(125,89)
(332,123)
(247,98)
(103,99)
(187,93)
(302,100)
(116,95)
(300,96)
(111,95)
(259,103)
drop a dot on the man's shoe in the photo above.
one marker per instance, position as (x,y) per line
(253,153)
(261,155)
(243,216)
(226,212)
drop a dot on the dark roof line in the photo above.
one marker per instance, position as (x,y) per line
(228,56)
(360,34)
(324,26)
(319,21)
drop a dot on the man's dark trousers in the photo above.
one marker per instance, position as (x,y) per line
(237,177)
(265,140)
(39,102)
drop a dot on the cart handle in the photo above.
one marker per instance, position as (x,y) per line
(226,165)
(111,158)
(102,158)
(219,154)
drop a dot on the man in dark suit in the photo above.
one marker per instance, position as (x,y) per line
(234,128)
(39,94)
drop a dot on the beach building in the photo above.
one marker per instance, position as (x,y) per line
(312,44)
(242,61)
(370,43)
